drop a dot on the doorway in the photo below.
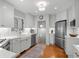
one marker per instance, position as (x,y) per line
(41,32)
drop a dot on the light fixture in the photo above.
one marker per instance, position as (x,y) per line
(55,8)
(41,9)
(21,0)
(41,4)
(41,26)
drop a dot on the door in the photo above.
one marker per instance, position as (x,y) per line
(42,35)
(42,31)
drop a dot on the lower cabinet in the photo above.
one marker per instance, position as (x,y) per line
(69,42)
(15,45)
(25,44)
(19,45)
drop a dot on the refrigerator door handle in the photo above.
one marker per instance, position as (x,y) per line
(60,37)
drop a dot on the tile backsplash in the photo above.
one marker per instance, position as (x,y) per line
(8,32)
(5,31)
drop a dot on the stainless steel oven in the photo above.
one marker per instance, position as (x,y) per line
(6,46)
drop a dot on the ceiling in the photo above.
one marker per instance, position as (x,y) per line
(29,6)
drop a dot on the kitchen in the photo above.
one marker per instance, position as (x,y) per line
(25,24)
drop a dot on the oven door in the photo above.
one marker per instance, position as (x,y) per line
(6,46)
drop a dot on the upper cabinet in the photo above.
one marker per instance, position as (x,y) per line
(76,9)
(73,12)
(18,24)
(6,15)
(29,21)
(61,16)
(18,20)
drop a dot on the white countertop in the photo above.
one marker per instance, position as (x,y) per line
(7,54)
(12,37)
(71,37)
(4,42)
(8,37)
(76,47)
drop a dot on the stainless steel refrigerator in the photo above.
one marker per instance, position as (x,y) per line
(60,32)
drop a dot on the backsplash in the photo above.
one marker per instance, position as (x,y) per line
(8,32)
(5,32)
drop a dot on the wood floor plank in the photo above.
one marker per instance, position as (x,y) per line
(53,51)
(50,51)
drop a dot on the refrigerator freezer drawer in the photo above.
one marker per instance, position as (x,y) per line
(60,42)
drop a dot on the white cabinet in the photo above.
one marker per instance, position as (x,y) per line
(15,45)
(29,21)
(69,42)
(61,16)
(18,23)
(20,44)
(6,14)
(76,51)
(77,11)
(23,44)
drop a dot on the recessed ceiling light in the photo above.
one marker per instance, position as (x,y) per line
(4,7)
(21,0)
(41,4)
(55,8)
(36,11)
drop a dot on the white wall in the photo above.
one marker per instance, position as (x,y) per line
(61,16)
(47,30)
(52,20)
(19,13)
(29,21)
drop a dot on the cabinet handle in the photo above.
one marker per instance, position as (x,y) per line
(77,54)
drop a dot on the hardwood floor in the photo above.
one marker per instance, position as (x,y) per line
(53,51)
(43,51)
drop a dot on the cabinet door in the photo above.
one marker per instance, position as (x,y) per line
(6,14)
(16,45)
(69,45)
(23,44)
(28,42)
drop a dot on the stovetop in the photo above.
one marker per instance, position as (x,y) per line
(2,40)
